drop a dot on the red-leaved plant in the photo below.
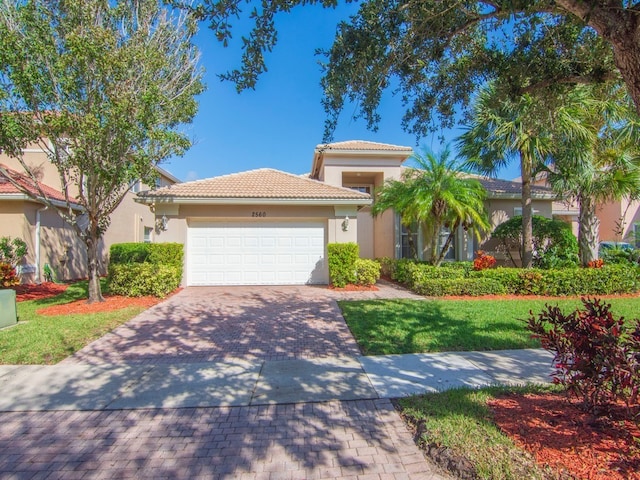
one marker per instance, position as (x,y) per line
(8,276)
(597,357)
(599,263)
(483,261)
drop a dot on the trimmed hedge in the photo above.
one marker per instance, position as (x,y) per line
(453,280)
(342,263)
(139,269)
(141,279)
(156,253)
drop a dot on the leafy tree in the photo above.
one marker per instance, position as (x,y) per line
(438,53)
(604,168)
(102,87)
(436,195)
(555,245)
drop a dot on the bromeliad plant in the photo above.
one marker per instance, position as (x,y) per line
(597,357)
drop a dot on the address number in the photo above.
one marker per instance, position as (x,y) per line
(258,214)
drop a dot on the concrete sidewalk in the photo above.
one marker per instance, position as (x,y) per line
(238,382)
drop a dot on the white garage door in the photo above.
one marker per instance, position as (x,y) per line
(256,254)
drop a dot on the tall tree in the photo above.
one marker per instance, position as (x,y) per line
(603,169)
(101,86)
(438,53)
(436,195)
(502,131)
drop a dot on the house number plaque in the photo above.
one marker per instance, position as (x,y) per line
(259,214)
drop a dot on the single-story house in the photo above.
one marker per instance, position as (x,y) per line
(270,227)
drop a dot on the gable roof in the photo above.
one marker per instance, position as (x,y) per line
(9,190)
(265,185)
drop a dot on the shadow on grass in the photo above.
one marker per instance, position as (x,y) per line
(383,327)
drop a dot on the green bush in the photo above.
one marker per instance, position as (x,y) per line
(141,279)
(367,272)
(156,253)
(459,286)
(12,251)
(342,263)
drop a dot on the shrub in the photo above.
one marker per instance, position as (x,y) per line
(141,279)
(554,243)
(342,263)
(596,358)
(12,251)
(621,256)
(367,272)
(459,286)
(483,261)
(156,253)
(8,276)
(509,278)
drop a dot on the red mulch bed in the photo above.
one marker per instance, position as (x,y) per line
(38,292)
(558,434)
(355,288)
(111,303)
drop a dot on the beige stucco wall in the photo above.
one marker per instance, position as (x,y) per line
(59,245)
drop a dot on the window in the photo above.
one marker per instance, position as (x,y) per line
(636,235)
(406,239)
(136,187)
(148,234)
(361,188)
(518,211)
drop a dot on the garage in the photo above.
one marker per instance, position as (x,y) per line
(268,253)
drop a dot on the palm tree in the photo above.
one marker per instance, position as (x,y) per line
(503,130)
(435,195)
(605,168)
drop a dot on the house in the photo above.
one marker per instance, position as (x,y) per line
(270,227)
(50,240)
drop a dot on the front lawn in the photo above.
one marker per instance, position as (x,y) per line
(383,327)
(39,339)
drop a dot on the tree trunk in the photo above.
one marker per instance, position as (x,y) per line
(95,292)
(589,229)
(621,28)
(445,247)
(527,211)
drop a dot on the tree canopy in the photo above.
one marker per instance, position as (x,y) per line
(102,87)
(436,54)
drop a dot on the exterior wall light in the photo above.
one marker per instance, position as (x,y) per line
(345,224)
(161,223)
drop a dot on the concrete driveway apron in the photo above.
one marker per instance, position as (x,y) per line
(188,389)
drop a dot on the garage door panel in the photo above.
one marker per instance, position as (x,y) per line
(243,254)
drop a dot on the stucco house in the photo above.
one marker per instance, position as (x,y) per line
(50,240)
(270,227)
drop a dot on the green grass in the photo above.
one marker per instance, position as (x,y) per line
(383,327)
(460,420)
(39,339)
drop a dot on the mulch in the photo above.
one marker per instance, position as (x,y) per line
(38,291)
(111,303)
(562,436)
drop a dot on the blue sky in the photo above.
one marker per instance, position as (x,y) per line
(278,124)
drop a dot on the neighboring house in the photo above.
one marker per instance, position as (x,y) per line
(51,241)
(619,219)
(270,227)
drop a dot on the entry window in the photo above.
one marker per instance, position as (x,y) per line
(148,234)
(406,250)
(361,188)
(450,254)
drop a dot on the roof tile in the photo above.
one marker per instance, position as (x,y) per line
(362,145)
(28,184)
(261,183)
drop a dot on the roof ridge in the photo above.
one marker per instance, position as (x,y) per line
(307,179)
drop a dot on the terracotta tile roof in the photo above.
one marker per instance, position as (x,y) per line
(362,145)
(262,183)
(6,187)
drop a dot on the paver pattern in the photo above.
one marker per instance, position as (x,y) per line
(361,439)
(253,323)
(341,440)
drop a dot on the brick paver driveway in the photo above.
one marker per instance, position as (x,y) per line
(363,439)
